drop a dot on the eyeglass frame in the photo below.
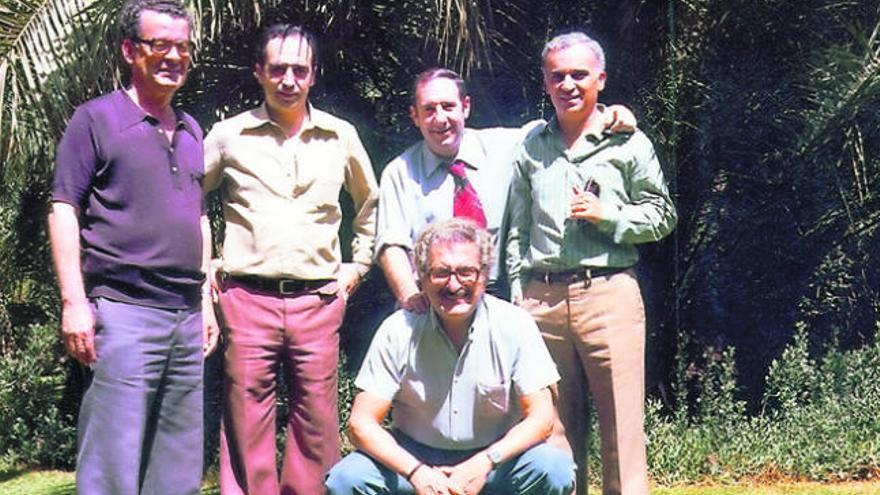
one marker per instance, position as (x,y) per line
(186,52)
(462,278)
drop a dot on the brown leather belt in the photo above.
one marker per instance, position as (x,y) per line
(573,276)
(280,286)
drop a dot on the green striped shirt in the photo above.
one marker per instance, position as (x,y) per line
(632,189)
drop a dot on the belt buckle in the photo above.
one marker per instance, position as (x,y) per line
(283,284)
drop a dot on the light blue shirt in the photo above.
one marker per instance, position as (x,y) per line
(416,188)
(457,401)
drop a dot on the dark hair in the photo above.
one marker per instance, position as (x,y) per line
(439,73)
(130,14)
(283,31)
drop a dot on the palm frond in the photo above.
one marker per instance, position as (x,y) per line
(48,51)
(461,34)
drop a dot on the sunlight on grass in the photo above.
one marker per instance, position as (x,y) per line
(62,483)
(778,489)
(58,483)
(38,483)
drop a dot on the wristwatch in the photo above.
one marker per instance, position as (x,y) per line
(494,456)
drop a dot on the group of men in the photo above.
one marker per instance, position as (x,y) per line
(470,380)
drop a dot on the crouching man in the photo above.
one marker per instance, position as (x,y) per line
(467,383)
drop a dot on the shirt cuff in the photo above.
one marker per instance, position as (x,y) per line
(608,224)
(362,268)
(516,291)
(390,239)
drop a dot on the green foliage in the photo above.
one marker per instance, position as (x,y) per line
(793,378)
(819,421)
(766,118)
(35,429)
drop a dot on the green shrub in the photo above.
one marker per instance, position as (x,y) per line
(819,420)
(793,378)
(34,428)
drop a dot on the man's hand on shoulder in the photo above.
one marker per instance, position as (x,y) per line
(618,119)
(415,302)
(78,331)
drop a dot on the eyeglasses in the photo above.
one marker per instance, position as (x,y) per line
(162,47)
(465,274)
(278,71)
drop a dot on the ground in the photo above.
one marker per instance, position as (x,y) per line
(61,483)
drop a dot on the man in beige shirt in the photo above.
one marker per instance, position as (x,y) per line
(282,285)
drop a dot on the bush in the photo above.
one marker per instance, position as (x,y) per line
(819,421)
(35,427)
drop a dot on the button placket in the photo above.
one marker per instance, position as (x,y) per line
(172,162)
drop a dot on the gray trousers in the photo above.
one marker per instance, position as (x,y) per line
(140,422)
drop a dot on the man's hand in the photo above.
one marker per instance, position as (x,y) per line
(78,331)
(585,206)
(212,287)
(471,474)
(618,118)
(348,279)
(415,302)
(210,328)
(428,480)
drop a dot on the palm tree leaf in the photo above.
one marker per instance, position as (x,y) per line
(48,51)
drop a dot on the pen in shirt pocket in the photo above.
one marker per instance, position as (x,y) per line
(592,187)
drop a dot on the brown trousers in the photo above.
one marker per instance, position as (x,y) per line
(595,332)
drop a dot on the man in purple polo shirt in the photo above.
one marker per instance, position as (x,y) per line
(127,228)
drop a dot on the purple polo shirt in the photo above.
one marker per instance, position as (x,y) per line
(139,199)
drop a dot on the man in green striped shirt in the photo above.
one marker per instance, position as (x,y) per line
(581,199)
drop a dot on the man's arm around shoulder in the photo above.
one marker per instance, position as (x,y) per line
(395,263)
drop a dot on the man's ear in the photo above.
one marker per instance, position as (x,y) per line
(414,115)
(128,50)
(466,106)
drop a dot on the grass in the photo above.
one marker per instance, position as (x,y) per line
(852,488)
(62,483)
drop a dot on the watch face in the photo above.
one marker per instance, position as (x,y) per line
(494,456)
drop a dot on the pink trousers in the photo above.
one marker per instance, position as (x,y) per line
(596,334)
(266,334)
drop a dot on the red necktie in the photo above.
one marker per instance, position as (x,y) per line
(465,203)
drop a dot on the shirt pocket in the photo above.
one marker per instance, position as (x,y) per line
(492,399)
(322,195)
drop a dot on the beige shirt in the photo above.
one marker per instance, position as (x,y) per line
(281,195)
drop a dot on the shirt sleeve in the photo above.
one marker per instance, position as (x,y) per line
(534,368)
(76,160)
(382,369)
(213,160)
(650,214)
(394,218)
(519,222)
(360,182)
